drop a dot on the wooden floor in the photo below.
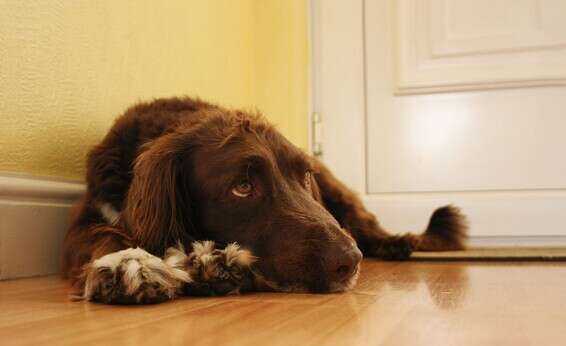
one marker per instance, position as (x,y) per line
(411,303)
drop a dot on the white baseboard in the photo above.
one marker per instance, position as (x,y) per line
(34,215)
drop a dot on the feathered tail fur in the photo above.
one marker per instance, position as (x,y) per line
(447,230)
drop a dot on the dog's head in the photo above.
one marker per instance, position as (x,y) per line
(231,177)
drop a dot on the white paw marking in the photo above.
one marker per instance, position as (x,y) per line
(132,276)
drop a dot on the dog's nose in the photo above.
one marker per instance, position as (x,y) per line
(341,265)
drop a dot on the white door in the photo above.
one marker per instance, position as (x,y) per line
(430,102)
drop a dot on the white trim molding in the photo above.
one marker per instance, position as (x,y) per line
(338,85)
(34,215)
(19,187)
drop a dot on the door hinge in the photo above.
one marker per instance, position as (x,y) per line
(316,134)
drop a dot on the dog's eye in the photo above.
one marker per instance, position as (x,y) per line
(243,189)
(308,180)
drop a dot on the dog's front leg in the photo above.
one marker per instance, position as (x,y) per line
(134,276)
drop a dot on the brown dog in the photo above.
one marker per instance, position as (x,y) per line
(175,172)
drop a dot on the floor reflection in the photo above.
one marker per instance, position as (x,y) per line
(446,284)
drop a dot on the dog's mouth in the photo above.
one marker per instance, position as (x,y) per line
(262,283)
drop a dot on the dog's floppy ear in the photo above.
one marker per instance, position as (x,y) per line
(157,210)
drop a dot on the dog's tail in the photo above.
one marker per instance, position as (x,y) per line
(447,230)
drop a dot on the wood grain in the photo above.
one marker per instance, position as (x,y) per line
(410,303)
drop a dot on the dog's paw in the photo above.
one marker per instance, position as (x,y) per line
(132,276)
(396,248)
(214,271)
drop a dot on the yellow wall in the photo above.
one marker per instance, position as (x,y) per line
(281,65)
(68,68)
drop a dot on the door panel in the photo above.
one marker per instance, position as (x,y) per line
(467,141)
(443,45)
